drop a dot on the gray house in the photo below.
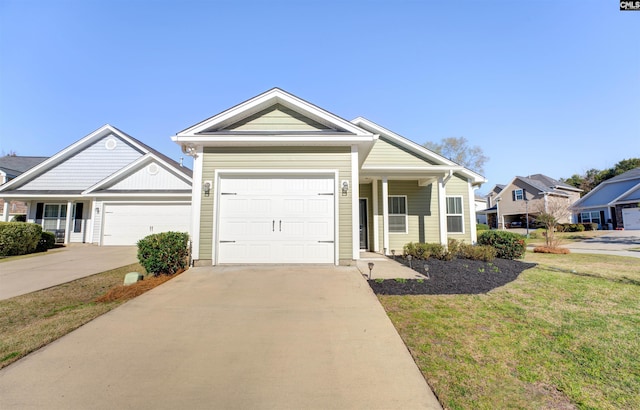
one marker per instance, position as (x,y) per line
(10,167)
(615,201)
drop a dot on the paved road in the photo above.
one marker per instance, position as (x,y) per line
(274,337)
(25,275)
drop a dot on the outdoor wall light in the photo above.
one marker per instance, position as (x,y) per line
(97,210)
(345,187)
(206,188)
(370,269)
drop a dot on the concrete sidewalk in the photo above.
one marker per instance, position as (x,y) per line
(384,267)
(267,337)
(41,271)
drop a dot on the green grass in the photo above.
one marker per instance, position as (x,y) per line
(31,321)
(550,339)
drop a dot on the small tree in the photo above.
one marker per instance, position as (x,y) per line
(549,215)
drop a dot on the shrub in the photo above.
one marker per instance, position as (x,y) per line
(19,218)
(482,227)
(591,226)
(453,245)
(427,250)
(18,238)
(579,228)
(508,245)
(164,253)
(484,253)
(47,241)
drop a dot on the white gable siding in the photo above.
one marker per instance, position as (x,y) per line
(148,178)
(86,168)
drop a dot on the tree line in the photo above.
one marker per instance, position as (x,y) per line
(593,177)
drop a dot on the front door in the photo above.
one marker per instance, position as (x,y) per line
(363,225)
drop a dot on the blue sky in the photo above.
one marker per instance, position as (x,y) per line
(548,87)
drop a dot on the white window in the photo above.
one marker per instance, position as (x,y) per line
(398,214)
(518,195)
(455,220)
(591,217)
(54,216)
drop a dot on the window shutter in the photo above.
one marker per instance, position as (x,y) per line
(579,218)
(39,210)
(513,195)
(77,225)
(524,194)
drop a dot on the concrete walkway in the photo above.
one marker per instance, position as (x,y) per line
(384,267)
(270,337)
(41,271)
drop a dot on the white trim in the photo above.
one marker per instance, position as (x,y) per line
(67,225)
(91,220)
(385,215)
(472,214)
(460,215)
(442,212)
(5,211)
(221,173)
(355,204)
(406,215)
(376,226)
(196,203)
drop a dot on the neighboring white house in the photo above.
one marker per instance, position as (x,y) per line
(615,201)
(107,188)
(481,205)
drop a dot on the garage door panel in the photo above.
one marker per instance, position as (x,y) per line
(125,224)
(631,218)
(295,216)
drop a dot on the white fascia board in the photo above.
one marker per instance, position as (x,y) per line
(208,141)
(267,99)
(65,153)
(134,166)
(140,195)
(418,149)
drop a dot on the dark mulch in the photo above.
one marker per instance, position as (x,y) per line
(458,276)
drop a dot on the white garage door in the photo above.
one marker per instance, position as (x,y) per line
(125,224)
(276,220)
(631,218)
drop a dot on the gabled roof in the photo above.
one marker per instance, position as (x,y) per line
(619,189)
(543,184)
(13,166)
(83,143)
(443,165)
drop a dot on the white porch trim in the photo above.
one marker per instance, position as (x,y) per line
(376,226)
(355,204)
(442,211)
(385,215)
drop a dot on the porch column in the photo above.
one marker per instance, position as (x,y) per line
(67,228)
(472,213)
(376,235)
(5,211)
(385,216)
(355,203)
(196,203)
(442,211)
(89,225)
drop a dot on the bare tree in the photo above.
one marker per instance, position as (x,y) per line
(549,213)
(459,151)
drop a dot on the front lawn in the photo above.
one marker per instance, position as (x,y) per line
(551,339)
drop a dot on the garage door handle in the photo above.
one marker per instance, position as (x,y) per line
(325,241)
(227,241)
(280,226)
(273,225)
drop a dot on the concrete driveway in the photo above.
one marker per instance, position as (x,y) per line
(292,337)
(41,271)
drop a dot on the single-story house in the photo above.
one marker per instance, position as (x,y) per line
(615,201)
(280,180)
(107,188)
(10,167)
(510,205)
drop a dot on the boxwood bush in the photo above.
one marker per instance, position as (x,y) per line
(47,241)
(508,245)
(164,253)
(19,238)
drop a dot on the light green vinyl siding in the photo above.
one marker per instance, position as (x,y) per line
(277,118)
(458,186)
(278,158)
(422,206)
(385,152)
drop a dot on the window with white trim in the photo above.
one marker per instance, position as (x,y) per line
(590,217)
(455,219)
(518,195)
(54,216)
(397,214)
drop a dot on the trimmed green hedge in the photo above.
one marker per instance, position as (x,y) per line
(164,253)
(47,241)
(19,238)
(508,245)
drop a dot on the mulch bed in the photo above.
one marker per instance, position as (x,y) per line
(455,277)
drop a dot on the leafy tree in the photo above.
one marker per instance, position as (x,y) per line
(594,177)
(459,151)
